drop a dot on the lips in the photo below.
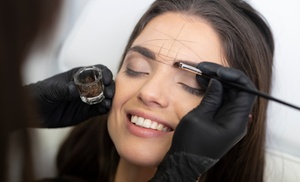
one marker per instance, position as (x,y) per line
(147,123)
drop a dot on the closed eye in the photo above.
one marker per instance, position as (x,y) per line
(193,91)
(133,73)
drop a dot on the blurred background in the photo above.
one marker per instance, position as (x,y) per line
(96,31)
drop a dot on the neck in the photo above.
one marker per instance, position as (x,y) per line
(128,172)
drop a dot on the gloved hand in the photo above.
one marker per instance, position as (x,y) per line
(210,130)
(58,101)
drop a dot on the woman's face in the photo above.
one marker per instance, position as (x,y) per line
(151,94)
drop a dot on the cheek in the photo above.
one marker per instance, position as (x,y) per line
(115,117)
(187,104)
(119,93)
(124,91)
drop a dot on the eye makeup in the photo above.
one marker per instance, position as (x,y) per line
(197,71)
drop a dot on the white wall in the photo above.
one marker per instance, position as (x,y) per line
(284,122)
(283,144)
(101,31)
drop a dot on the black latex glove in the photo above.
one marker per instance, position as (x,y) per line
(59,103)
(210,130)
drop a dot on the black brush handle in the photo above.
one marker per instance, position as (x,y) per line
(252,91)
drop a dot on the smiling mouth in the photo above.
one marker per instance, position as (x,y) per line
(147,123)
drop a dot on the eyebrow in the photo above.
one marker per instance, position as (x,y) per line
(151,55)
(143,51)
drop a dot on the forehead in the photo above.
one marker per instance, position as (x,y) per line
(175,36)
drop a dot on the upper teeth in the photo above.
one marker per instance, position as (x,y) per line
(147,123)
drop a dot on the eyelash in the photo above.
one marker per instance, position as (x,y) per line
(193,91)
(133,73)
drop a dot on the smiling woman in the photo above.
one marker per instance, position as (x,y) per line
(156,91)
(162,126)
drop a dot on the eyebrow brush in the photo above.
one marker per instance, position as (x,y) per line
(197,71)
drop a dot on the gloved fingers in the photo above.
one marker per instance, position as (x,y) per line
(73,91)
(237,104)
(234,96)
(88,111)
(236,76)
(202,81)
(227,74)
(224,73)
(107,75)
(234,102)
(101,108)
(212,99)
(104,106)
(100,66)
(109,90)
(207,68)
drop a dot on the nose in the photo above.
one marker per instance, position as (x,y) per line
(155,91)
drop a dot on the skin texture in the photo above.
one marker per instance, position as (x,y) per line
(149,86)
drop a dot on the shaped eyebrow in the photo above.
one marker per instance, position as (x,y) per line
(143,51)
(151,55)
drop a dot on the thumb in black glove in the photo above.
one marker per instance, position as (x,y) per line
(58,101)
(210,130)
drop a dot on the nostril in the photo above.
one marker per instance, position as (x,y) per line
(152,98)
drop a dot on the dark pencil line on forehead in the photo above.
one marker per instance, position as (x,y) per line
(143,51)
(180,41)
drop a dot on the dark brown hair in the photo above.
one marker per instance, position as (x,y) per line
(248,46)
(21,22)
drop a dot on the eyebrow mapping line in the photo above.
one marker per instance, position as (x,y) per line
(161,48)
(175,39)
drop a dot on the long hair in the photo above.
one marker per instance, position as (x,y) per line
(88,154)
(21,22)
(248,46)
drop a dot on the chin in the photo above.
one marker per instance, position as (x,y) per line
(143,161)
(142,157)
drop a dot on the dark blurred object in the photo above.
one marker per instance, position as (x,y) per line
(21,23)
